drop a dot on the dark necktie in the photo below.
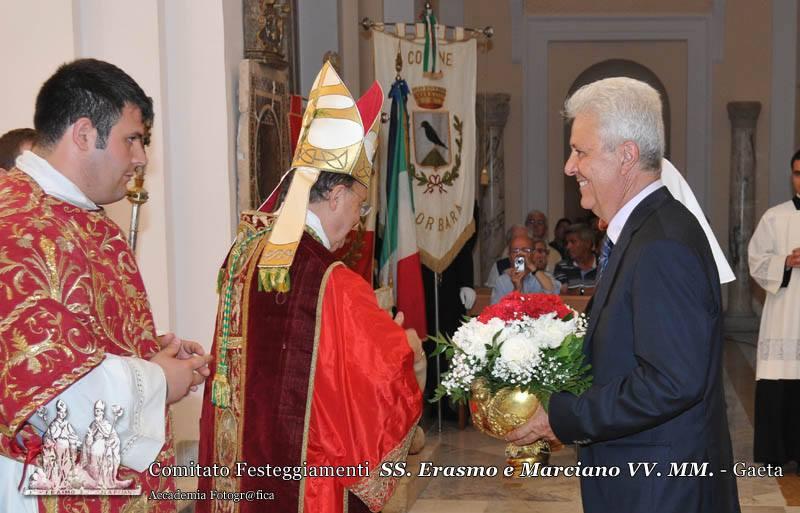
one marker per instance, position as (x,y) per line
(605,253)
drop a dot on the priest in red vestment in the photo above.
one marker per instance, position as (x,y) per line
(75,322)
(314,386)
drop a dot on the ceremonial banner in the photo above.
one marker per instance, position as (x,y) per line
(399,258)
(441,110)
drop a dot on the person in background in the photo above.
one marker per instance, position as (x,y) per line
(774,257)
(501,264)
(579,271)
(536,222)
(527,273)
(559,242)
(13,143)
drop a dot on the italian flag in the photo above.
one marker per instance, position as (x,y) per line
(399,260)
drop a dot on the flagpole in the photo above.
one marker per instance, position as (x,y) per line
(438,357)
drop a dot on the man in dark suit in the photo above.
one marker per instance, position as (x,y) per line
(654,339)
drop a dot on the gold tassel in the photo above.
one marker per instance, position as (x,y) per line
(220,277)
(274,280)
(221,389)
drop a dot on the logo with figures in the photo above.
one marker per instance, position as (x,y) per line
(72,467)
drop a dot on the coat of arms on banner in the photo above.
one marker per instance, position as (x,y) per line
(434,146)
(441,76)
(62,473)
(431,138)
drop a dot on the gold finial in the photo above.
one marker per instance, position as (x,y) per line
(398,65)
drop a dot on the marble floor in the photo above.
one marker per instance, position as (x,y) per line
(562,495)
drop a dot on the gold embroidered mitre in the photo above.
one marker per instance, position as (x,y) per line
(338,135)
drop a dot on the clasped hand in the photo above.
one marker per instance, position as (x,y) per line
(185,365)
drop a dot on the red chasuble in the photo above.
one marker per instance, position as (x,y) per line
(321,380)
(71,292)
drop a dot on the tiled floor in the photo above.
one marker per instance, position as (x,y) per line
(562,495)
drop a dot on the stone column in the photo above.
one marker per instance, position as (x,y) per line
(491,113)
(743,116)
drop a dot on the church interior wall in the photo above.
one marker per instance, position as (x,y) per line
(563,7)
(744,74)
(497,73)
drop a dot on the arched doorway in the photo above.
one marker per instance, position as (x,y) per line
(599,71)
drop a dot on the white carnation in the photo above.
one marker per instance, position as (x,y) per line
(519,352)
(473,336)
(550,331)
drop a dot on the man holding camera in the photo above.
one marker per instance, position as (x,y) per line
(527,273)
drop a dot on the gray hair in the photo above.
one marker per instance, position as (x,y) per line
(510,232)
(626,110)
(582,231)
(319,191)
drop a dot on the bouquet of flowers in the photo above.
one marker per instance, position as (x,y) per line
(530,341)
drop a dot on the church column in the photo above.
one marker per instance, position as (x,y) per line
(491,112)
(743,116)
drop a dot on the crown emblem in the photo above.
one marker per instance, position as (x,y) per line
(429,97)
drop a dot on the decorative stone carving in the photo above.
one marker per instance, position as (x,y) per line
(270,28)
(491,114)
(739,315)
(264,148)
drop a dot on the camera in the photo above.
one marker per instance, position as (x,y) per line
(519,264)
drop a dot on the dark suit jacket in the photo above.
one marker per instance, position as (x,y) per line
(654,341)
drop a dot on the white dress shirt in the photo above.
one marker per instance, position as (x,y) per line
(617,223)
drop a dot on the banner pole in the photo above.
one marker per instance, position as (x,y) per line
(438,357)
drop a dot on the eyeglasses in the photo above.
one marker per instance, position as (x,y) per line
(537,222)
(365,208)
(528,251)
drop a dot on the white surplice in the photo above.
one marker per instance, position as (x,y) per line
(776,235)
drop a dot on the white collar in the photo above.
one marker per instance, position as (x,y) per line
(621,217)
(52,181)
(313,222)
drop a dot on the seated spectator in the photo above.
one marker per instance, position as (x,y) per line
(532,277)
(503,263)
(13,143)
(579,271)
(537,224)
(559,242)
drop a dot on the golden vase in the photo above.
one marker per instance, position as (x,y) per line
(500,413)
